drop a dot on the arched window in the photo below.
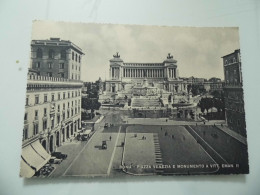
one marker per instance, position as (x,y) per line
(51,54)
(63,54)
(39,53)
(76,57)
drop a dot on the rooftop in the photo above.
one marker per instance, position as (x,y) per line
(57,42)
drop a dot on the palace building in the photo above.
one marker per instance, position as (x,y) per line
(128,78)
(233,93)
(53,101)
(153,88)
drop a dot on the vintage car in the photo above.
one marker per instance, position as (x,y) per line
(104,145)
(106,125)
(55,160)
(59,155)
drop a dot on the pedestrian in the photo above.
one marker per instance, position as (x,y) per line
(161,128)
(110,138)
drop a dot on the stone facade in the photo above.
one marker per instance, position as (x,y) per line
(124,76)
(52,111)
(56,58)
(233,92)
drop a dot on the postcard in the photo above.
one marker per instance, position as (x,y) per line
(113,100)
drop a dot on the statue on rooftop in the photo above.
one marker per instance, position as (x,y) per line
(116,55)
(169,56)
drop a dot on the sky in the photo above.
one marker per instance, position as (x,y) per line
(198,50)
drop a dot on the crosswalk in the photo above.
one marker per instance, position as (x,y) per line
(158,154)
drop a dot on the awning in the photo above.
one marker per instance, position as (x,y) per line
(32,158)
(40,150)
(26,170)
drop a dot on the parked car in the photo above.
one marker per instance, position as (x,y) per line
(106,125)
(104,145)
(55,160)
(59,155)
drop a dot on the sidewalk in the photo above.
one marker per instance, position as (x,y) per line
(233,134)
(162,121)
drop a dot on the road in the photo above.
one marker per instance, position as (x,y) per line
(88,158)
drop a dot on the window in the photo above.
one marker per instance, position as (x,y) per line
(27,101)
(63,116)
(52,123)
(25,116)
(52,97)
(51,54)
(72,103)
(72,94)
(58,119)
(76,93)
(76,57)
(45,111)
(37,64)
(44,126)
(58,108)
(79,59)
(35,129)
(79,68)
(71,112)
(68,104)
(39,53)
(36,99)
(58,96)
(63,54)
(36,115)
(45,98)
(61,65)
(25,133)
(72,55)
(72,76)
(76,67)
(50,65)
(68,94)
(49,74)
(64,95)
(68,114)
(72,67)
(63,106)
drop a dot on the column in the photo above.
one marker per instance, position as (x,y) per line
(174,72)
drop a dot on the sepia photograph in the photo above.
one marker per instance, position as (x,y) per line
(114,100)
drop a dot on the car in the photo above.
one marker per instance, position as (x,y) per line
(59,155)
(55,160)
(104,145)
(106,125)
